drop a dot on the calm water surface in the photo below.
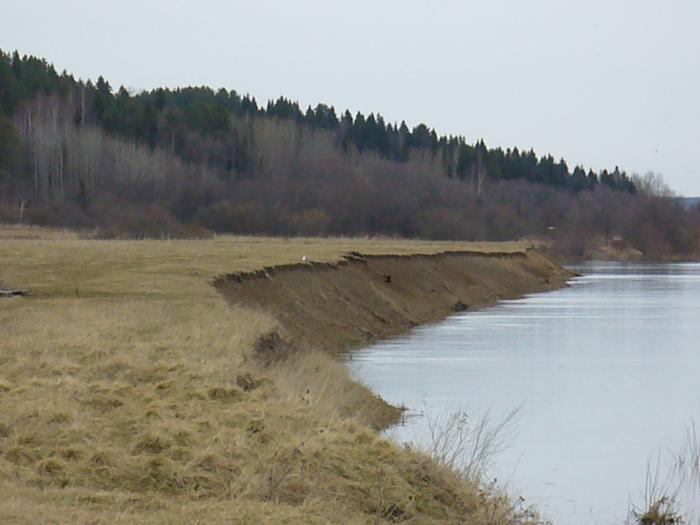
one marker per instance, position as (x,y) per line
(607,373)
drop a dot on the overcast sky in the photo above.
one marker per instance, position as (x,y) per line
(600,83)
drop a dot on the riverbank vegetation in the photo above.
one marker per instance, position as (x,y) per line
(193,161)
(671,492)
(131,392)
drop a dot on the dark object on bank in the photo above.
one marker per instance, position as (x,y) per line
(270,348)
(387,278)
(459,306)
(4,292)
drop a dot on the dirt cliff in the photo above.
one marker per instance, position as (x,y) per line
(364,298)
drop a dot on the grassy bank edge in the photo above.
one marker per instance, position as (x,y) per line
(103,360)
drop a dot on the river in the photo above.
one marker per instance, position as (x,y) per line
(605,374)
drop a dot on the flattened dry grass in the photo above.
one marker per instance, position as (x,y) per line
(24,232)
(129,394)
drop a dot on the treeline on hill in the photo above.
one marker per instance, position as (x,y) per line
(192,160)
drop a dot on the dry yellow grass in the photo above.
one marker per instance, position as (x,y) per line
(17,231)
(128,395)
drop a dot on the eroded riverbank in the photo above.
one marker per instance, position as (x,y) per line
(127,382)
(365,298)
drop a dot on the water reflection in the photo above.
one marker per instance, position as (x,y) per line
(606,372)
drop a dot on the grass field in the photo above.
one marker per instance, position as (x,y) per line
(129,393)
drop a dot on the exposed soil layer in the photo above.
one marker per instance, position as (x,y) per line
(362,299)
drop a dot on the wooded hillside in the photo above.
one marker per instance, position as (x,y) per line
(188,161)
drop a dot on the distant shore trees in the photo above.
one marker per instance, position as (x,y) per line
(192,159)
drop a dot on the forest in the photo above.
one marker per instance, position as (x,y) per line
(194,161)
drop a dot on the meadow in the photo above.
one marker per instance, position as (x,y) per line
(130,392)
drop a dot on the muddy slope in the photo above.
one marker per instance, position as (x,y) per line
(361,299)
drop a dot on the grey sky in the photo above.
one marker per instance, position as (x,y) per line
(597,82)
